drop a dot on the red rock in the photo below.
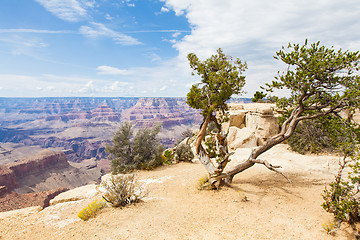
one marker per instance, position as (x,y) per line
(10,173)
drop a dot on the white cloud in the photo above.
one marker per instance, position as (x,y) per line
(117,87)
(68,10)
(88,88)
(176,34)
(107,70)
(164,9)
(109,17)
(96,30)
(28,46)
(255,30)
(179,6)
(154,57)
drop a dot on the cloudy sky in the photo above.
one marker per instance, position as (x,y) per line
(121,48)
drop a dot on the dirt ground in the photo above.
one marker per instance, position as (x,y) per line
(175,209)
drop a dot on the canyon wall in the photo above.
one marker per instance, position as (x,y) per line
(12,173)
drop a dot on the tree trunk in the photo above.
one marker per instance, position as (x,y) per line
(286,132)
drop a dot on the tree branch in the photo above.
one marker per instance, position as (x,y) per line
(330,110)
(271,167)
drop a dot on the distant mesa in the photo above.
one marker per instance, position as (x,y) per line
(168,111)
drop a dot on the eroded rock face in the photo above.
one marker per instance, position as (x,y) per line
(12,173)
(168,111)
(12,200)
(250,126)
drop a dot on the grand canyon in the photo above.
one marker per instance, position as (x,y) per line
(52,143)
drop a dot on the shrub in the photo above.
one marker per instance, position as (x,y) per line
(169,156)
(310,136)
(326,134)
(91,209)
(187,133)
(183,152)
(203,183)
(144,151)
(341,198)
(330,227)
(258,97)
(122,190)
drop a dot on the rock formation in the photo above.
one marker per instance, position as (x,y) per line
(250,126)
(168,111)
(11,174)
(45,171)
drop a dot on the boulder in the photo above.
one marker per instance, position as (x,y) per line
(75,194)
(244,138)
(250,127)
(263,124)
(237,119)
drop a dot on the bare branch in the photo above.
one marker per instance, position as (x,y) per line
(330,110)
(271,167)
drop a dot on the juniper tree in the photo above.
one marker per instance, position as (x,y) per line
(140,152)
(221,77)
(321,81)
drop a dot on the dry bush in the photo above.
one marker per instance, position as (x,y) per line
(183,152)
(122,190)
(203,183)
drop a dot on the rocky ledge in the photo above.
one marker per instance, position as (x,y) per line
(12,173)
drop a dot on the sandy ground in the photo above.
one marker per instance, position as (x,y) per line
(175,209)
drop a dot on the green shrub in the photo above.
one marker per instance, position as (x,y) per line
(341,198)
(144,151)
(91,209)
(183,152)
(310,136)
(258,97)
(122,190)
(169,156)
(325,134)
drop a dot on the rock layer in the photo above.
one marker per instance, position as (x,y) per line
(12,173)
(250,126)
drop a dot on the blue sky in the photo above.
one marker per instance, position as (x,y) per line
(121,48)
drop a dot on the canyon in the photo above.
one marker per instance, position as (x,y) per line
(47,144)
(81,127)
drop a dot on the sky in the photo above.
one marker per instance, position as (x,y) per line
(138,48)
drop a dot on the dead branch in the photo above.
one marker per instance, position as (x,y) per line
(271,167)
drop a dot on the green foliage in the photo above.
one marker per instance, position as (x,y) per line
(341,198)
(122,190)
(318,78)
(211,148)
(183,152)
(258,96)
(144,151)
(169,155)
(220,79)
(328,133)
(91,209)
(272,99)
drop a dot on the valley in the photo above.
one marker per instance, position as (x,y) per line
(78,129)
